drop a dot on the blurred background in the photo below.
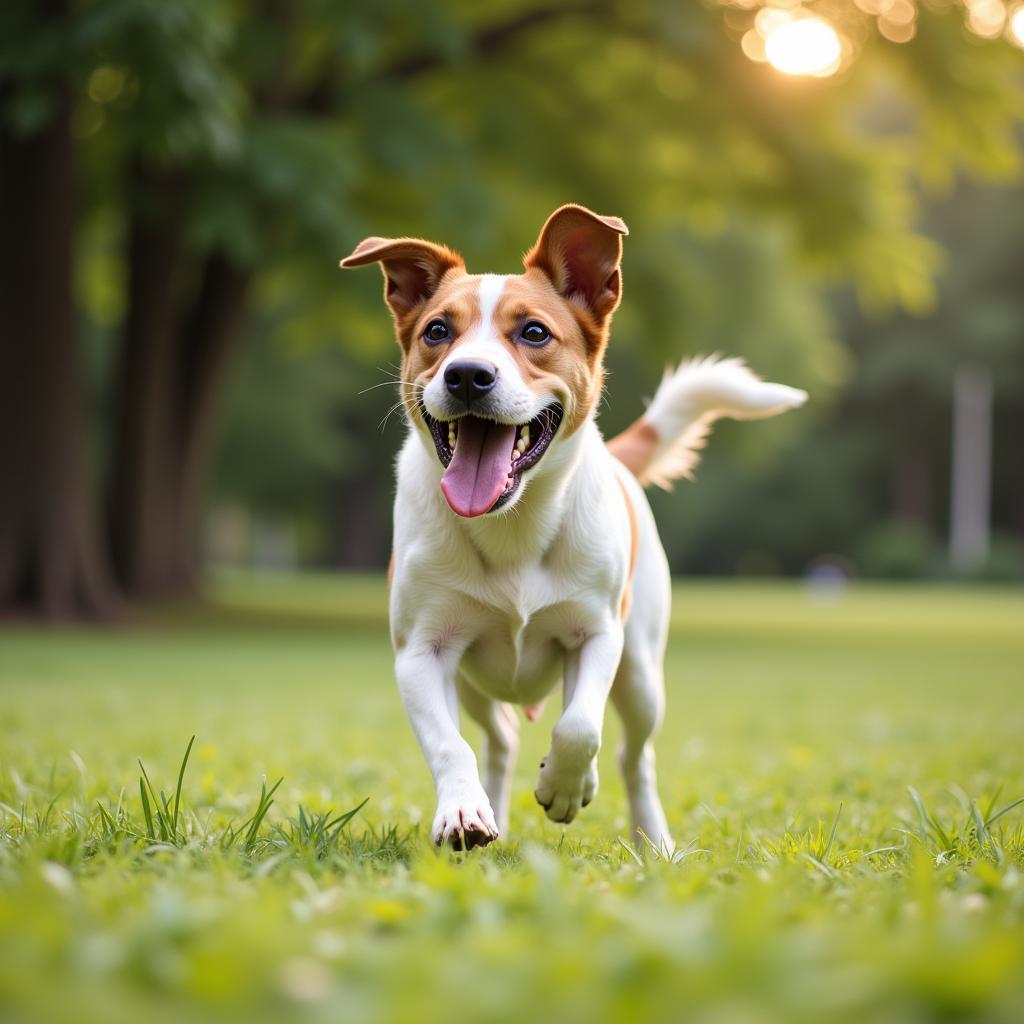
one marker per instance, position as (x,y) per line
(829,189)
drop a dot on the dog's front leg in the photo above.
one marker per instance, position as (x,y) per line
(426,683)
(567,773)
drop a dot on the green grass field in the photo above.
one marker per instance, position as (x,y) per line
(834,774)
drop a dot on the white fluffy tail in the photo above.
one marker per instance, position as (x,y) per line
(665,443)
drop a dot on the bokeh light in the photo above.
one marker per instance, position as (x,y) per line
(986,18)
(803,46)
(1015,28)
(786,34)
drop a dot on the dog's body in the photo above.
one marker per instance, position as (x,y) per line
(525,552)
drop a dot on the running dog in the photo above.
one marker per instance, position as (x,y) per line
(525,552)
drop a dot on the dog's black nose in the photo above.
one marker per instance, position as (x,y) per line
(470,379)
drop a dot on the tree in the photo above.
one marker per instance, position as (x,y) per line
(50,555)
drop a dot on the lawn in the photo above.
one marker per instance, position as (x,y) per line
(834,771)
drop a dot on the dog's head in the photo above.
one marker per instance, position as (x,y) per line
(497,370)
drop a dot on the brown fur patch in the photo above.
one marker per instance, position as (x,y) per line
(635,446)
(413,269)
(634,543)
(458,301)
(580,251)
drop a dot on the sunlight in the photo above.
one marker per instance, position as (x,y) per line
(806,46)
(986,18)
(1016,27)
(795,42)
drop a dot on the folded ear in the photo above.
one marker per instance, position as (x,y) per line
(580,251)
(412,268)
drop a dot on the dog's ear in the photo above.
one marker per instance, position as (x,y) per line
(412,268)
(580,252)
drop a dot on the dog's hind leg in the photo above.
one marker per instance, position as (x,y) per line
(501,744)
(638,694)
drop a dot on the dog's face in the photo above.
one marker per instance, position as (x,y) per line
(498,370)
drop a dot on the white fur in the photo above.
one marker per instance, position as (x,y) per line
(491,287)
(497,604)
(694,395)
(497,610)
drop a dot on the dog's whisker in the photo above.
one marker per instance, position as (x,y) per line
(382,384)
(384,422)
(393,378)
(391,383)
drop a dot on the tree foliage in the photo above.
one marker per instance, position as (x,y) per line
(228,154)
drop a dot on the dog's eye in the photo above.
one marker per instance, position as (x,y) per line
(535,333)
(436,331)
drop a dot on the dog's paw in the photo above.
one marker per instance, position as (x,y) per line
(464,820)
(568,775)
(561,797)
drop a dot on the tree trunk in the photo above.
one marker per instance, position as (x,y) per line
(144,447)
(51,561)
(174,361)
(209,342)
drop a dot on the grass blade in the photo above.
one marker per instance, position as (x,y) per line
(156,805)
(266,799)
(992,801)
(928,823)
(177,791)
(343,819)
(1005,810)
(105,817)
(628,847)
(146,811)
(979,823)
(832,836)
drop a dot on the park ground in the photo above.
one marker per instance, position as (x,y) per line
(840,770)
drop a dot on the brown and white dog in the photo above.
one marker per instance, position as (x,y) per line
(525,552)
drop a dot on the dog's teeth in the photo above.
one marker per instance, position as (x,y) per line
(521,444)
(524,430)
(451,437)
(516,455)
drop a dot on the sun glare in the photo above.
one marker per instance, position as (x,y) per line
(786,35)
(805,46)
(1017,26)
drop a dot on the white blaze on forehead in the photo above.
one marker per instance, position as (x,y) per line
(491,287)
(484,340)
(511,399)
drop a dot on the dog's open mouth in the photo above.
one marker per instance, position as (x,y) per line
(485,460)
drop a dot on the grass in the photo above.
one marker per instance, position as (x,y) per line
(843,777)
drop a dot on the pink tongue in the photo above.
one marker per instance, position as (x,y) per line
(477,474)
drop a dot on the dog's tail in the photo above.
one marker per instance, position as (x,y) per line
(665,443)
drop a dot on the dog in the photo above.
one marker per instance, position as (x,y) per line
(525,552)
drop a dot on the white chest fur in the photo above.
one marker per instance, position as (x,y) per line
(507,597)
(519,638)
